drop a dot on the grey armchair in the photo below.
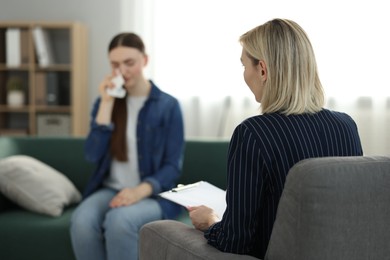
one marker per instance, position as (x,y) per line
(331,208)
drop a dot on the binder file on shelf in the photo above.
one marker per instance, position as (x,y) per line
(43,47)
(52,89)
(13,56)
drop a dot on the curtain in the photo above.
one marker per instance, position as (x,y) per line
(218,118)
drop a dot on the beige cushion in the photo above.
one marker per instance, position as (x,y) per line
(36,186)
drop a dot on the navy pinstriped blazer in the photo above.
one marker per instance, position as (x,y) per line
(262,150)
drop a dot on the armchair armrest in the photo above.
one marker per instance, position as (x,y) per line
(168,239)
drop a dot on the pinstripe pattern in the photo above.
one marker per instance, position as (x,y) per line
(262,150)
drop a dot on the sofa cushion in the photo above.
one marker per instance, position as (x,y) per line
(30,236)
(35,185)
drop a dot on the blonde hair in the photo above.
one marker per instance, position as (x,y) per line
(292,85)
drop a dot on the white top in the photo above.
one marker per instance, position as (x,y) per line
(126,174)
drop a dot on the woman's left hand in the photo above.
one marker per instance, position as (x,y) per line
(202,217)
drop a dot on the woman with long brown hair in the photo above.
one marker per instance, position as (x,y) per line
(137,143)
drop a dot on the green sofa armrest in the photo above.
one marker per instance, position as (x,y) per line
(8,147)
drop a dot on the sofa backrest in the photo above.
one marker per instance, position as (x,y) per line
(64,154)
(334,208)
(205,160)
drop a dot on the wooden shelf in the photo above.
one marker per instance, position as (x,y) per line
(11,109)
(53,109)
(22,67)
(58,89)
(55,67)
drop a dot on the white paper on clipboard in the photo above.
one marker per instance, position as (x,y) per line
(196,194)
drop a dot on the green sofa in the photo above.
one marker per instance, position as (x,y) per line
(27,235)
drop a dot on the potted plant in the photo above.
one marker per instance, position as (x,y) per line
(15,91)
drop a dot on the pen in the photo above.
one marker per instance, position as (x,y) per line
(185,187)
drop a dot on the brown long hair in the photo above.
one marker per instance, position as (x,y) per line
(118,145)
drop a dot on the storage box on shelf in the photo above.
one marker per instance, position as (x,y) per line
(50,59)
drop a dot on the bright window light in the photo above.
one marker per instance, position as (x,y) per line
(195,51)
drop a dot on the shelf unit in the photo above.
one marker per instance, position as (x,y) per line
(67,75)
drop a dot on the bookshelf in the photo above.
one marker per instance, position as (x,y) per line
(54,99)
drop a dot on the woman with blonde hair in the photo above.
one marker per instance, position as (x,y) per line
(280,70)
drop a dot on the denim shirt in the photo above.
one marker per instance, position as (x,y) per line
(160,146)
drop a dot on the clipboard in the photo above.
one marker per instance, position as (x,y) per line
(196,194)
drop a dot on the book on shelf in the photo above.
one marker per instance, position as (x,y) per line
(40,88)
(52,89)
(64,88)
(43,47)
(13,55)
(2,48)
